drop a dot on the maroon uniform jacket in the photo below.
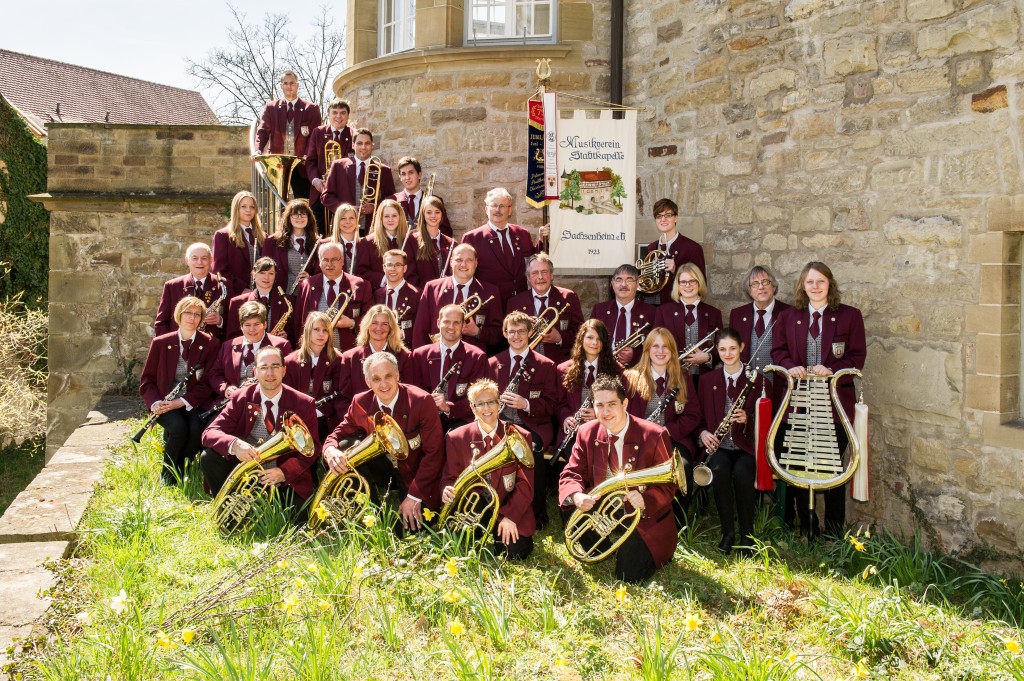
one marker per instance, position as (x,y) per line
(307,299)
(157,377)
(515,497)
(277,309)
(403,198)
(744,317)
(233,263)
(539,385)
(417,416)
(316,382)
(672,316)
(341,185)
(370,264)
(569,401)
(238,418)
(180,287)
(683,250)
(680,423)
(645,445)
(227,370)
(440,292)
(507,273)
(406,303)
(279,254)
(315,167)
(426,371)
(568,323)
(274,125)
(353,380)
(642,313)
(422,271)
(712,393)
(843,345)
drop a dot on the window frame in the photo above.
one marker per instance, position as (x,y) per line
(511,8)
(399,26)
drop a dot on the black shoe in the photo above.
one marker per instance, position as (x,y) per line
(725,546)
(541,521)
(745,551)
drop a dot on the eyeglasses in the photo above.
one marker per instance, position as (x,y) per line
(503,206)
(664,216)
(269,367)
(191,313)
(393,265)
(330,261)
(761,282)
(687,282)
(485,404)
(516,332)
(624,280)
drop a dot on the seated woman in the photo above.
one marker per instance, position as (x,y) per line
(689,319)
(649,386)
(513,483)
(732,451)
(315,369)
(171,357)
(390,231)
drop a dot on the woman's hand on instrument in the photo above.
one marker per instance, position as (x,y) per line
(508,533)
(345,323)
(739,416)
(412,514)
(697,358)
(447,494)
(798,372)
(213,317)
(584,502)
(271,476)
(229,391)
(335,460)
(635,499)
(569,424)
(624,356)
(513,400)
(710,442)
(821,370)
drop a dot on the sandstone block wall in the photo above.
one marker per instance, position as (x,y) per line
(125,201)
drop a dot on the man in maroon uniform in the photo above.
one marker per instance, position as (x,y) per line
(531,402)
(410,174)
(483,329)
(625,314)
(207,287)
(397,293)
(755,321)
(414,411)
(432,368)
(680,248)
(337,130)
(347,177)
(321,291)
(251,417)
(237,359)
(264,274)
(286,125)
(605,446)
(502,247)
(542,294)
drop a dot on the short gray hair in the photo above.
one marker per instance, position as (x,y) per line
(495,193)
(377,358)
(761,271)
(326,246)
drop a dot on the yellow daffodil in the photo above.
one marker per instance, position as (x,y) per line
(164,641)
(189,509)
(791,657)
(692,621)
(428,515)
(322,513)
(323,605)
(451,567)
(452,597)
(187,636)
(282,564)
(1012,645)
(455,628)
(357,572)
(869,570)
(369,520)
(299,582)
(561,662)
(622,594)
(289,604)
(860,671)
(858,545)
(312,569)
(716,637)
(119,602)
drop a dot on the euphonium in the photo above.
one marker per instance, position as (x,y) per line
(633,340)
(341,495)
(232,508)
(279,327)
(475,502)
(543,324)
(699,345)
(653,275)
(470,305)
(591,536)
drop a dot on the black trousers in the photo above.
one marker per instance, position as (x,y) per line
(633,560)
(798,499)
(681,501)
(216,470)
(733,485)
(517,550)
(182,432)
(300,187)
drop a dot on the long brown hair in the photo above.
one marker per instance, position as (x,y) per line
(283,233)
(639,377)
(235,227)
(800,299)
(425,252)
(380,236)
(605,359)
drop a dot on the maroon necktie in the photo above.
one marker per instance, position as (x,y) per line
(410,206)
(337,135)
(732,389)
(620,326)
(613,458)
(186,345)
(391,298)
(248,357)
(268,417)
(331,293)
(490,441)
(510,252)
(759,326)
(291,111)
(392,242)
(514,368)
(460,293)
(661,386)
(815,331)
(266,301)
(386,410)
(197,288)
(688,318)
(542,303)
(361,177)
(300,244)
(590,376)
(447,363)
(348,257)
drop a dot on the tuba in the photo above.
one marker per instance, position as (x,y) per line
(653,275)
(810,456)
(233,506)
(475,503)
(545,322)
(591,536)
(341,495)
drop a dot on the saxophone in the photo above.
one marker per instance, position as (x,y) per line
(217,303)
(278,329)
(702,474)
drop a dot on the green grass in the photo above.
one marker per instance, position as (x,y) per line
(18,466)
(360,603)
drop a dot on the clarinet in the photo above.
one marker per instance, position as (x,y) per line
(513,384)
(442,387)
(219,407)
(660,409)
(723,428)
(177,391)
(327,398)
(572,431)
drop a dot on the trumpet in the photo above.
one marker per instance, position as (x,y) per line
(699,345)
(280,325)
(653,275)
(471,306)
(702,474)
(591,536)
(633,340)
(540,331)
(474,501)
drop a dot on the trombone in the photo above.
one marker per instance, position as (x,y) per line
(370,194)
(332,153)
(540,331)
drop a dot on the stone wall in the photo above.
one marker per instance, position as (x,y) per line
(125,200)
(881,137)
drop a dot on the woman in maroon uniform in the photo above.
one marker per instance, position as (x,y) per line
(236,246)
(430,245)
(390,230)
(315,369)
(689,319)
(291,245)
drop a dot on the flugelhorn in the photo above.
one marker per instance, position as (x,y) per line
(475,502)
(278,329)
(653,274)
(699,345)
(341,495)
(702,474)
(591,536)
(232,508)
(471,306)
(633,340)
(540,331)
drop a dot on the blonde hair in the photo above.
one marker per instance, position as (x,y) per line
(639,377)
(380,237)
(307,334)
(235,227)
(395,342)
(694,271)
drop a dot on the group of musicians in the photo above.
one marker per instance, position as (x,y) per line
(461,342)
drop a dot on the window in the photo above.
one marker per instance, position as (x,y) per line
(510,21)
(397,31)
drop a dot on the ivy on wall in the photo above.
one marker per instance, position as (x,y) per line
(25,230)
